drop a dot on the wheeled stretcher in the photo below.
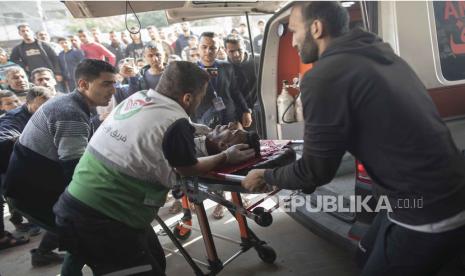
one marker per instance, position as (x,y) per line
(198,189)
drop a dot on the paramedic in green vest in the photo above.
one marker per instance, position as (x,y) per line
(127,170)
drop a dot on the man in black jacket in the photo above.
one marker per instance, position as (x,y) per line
(245,67)
(32,53)
(224,102)
(363,98)
(116,47)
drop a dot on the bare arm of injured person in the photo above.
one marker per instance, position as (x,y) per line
(225,144)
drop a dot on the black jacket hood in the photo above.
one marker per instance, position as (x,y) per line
(362,43)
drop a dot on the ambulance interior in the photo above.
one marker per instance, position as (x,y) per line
(280,62)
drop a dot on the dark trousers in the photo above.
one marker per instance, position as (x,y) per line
(389,249)
(109,246)
(44,217)
(49,242)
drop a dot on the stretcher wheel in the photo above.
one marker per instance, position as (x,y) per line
(262,218)
(266,253)
(182,233)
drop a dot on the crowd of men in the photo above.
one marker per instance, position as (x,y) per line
(37,50)
(96,197)
(39,71)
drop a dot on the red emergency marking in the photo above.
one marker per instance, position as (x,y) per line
(457,48)
(450,10)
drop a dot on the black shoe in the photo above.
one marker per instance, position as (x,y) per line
(39,258)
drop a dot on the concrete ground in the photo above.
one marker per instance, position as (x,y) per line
(299,251)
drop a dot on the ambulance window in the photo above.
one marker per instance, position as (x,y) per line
(355,13)
(257,28)
(450,32)
(363,14)
(224,26)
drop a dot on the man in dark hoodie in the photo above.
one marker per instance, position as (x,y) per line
(362,98)
(245,66)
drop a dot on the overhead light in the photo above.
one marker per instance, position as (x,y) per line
(347,4)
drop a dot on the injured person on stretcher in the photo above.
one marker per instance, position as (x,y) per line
(210,142)
(104,216)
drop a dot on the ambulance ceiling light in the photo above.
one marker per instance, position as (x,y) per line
(347,4)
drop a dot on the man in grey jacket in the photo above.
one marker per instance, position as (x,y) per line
(52,144)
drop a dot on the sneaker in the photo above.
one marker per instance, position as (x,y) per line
(218,213)
(176,207)
(181,232)
(9,241)
(39,258)
(29,229)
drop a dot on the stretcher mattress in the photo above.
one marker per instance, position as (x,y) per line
(273,153)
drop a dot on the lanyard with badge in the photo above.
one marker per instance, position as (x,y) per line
(217,101)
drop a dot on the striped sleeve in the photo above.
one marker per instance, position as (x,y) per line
(70,138)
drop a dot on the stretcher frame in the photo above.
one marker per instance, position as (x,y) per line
(198,189)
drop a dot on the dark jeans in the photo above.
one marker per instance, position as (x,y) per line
(106,245)
(394,250)
(44,217)
(49,242)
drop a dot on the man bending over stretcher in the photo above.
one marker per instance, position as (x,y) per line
(124,175)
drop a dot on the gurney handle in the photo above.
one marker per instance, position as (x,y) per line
(229,177)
